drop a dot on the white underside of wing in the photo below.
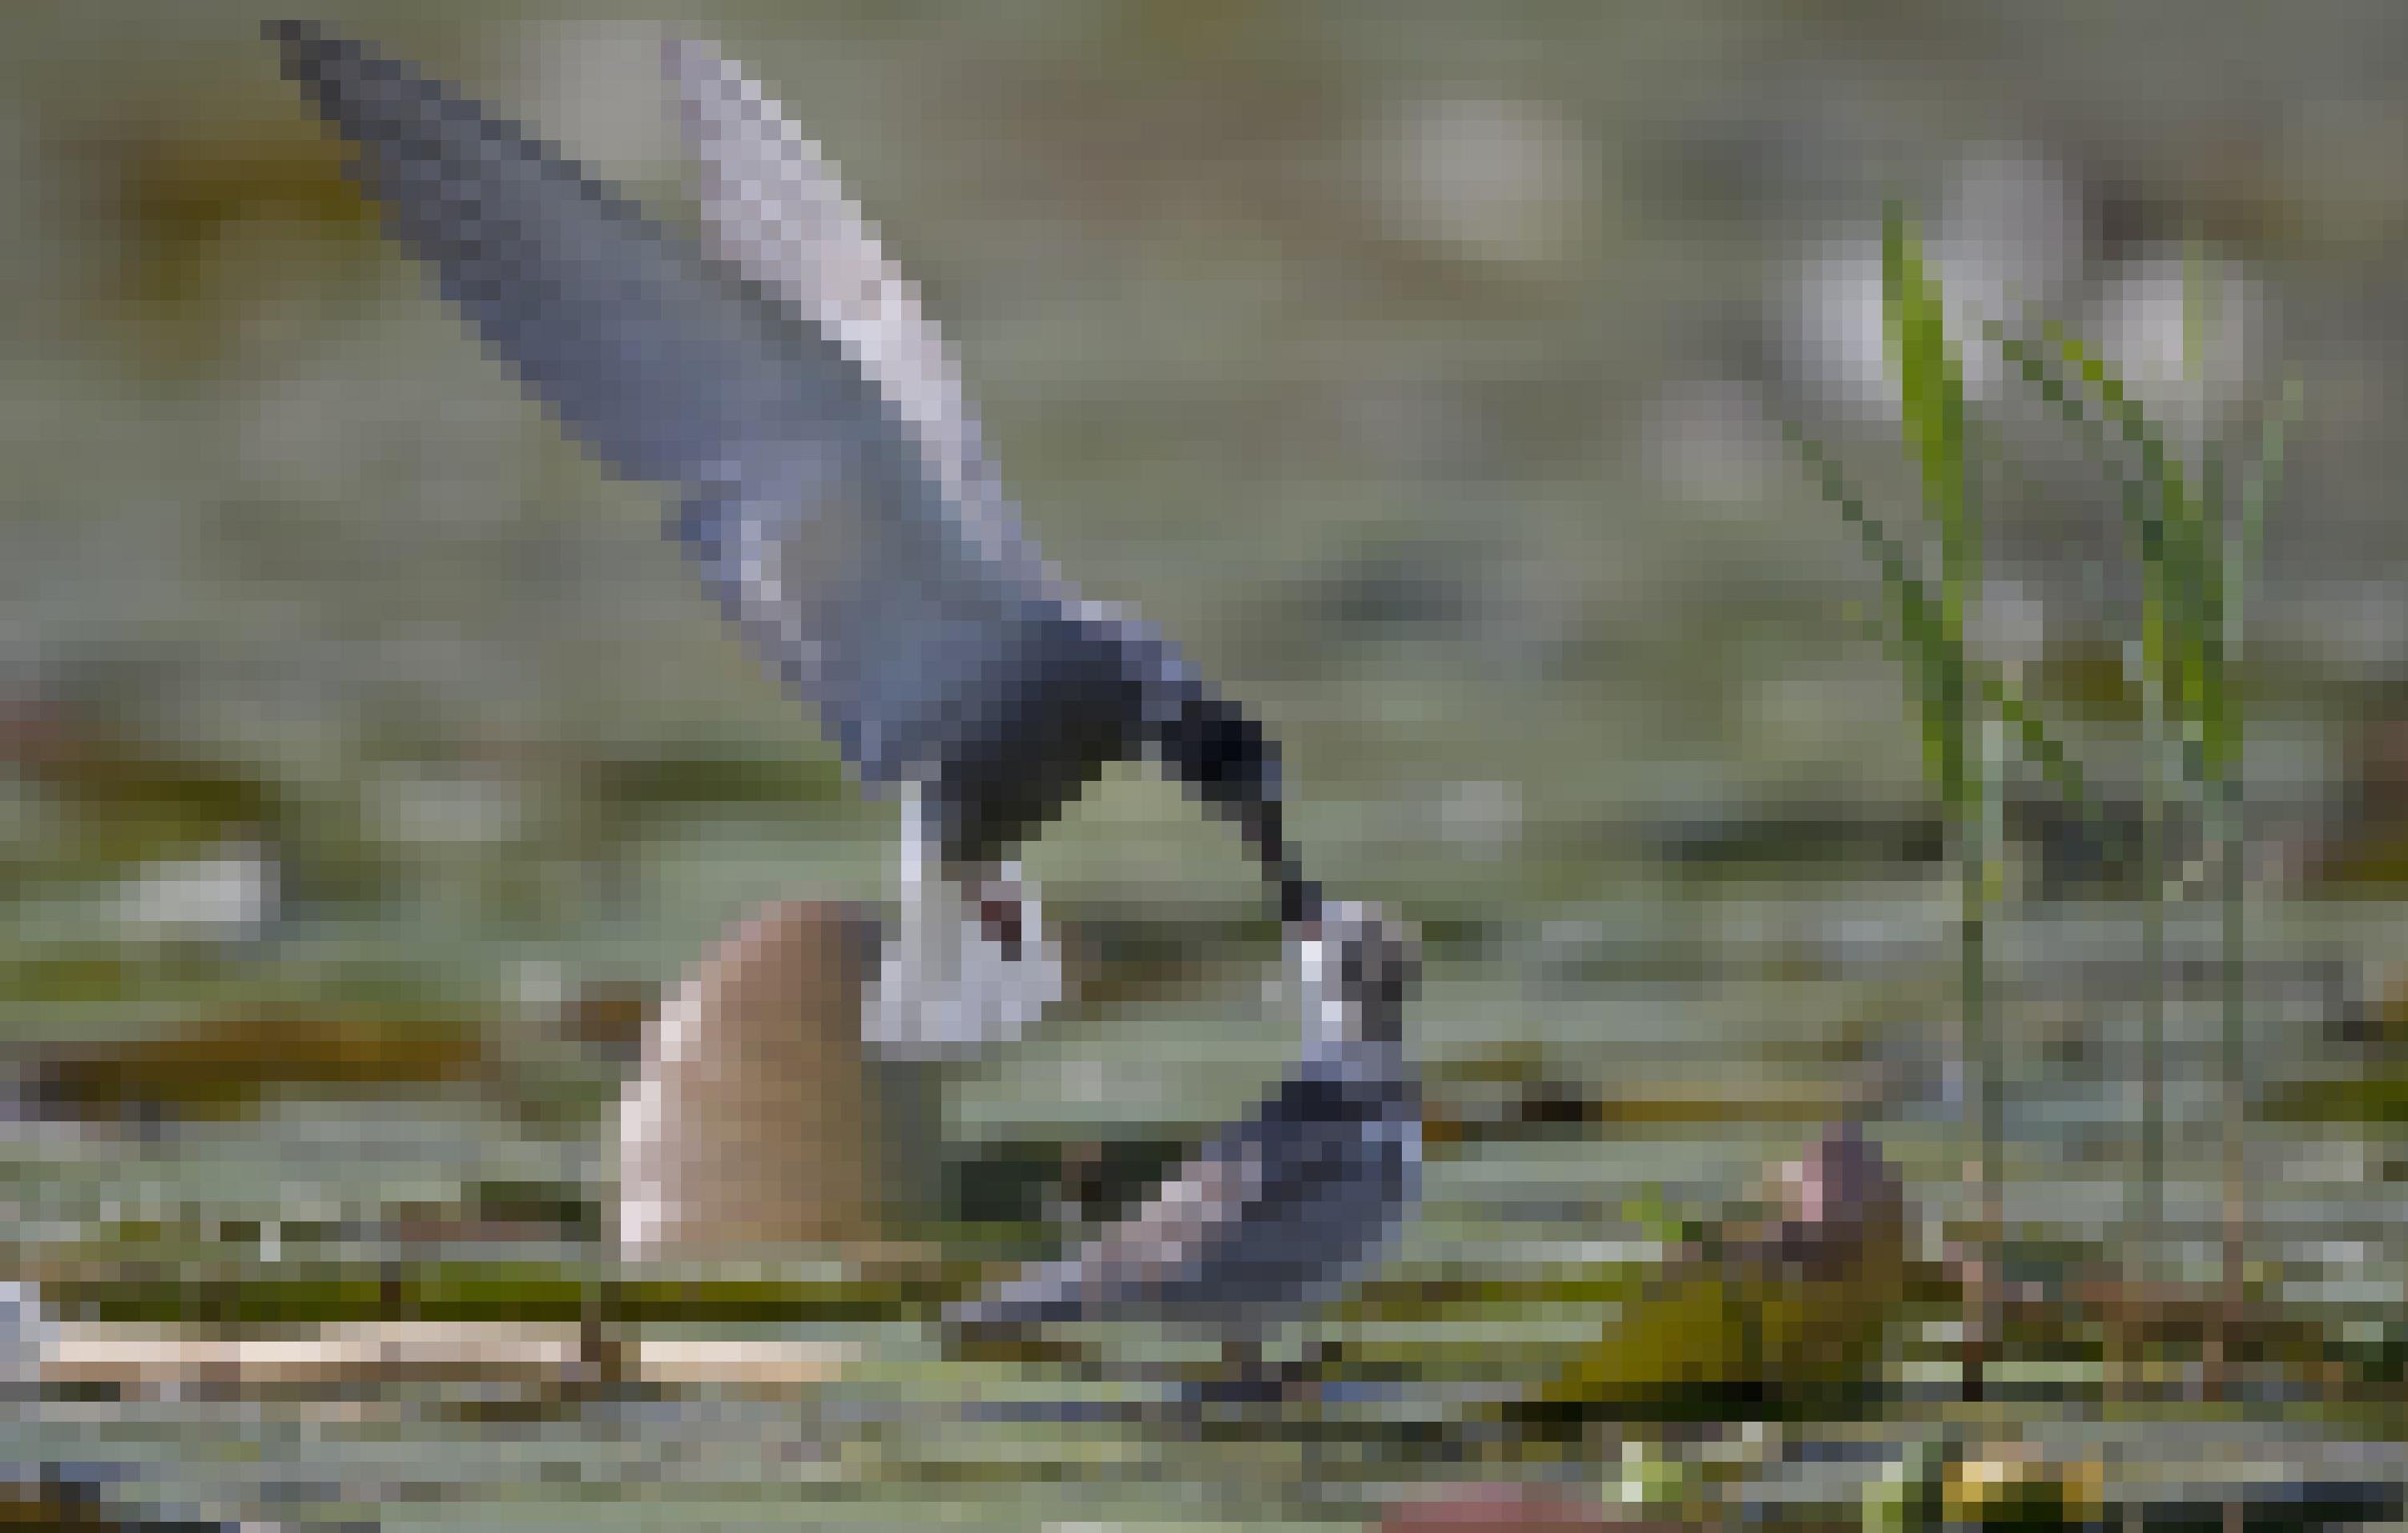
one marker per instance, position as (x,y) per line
(774,209)
(889,615)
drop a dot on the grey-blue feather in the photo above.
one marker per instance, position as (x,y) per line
(932,637)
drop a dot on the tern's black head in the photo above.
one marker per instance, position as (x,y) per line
(1225,758)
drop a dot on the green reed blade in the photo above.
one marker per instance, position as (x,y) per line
(1930,651)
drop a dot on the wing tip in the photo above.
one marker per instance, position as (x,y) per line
(688,58)
(306,47)
(336,74)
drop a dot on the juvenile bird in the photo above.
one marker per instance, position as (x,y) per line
(1280,1208)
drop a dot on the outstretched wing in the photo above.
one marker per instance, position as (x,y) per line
(774,209)
(811,497)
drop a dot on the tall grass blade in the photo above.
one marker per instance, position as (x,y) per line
(2243,538)
(2181,583)
(1932,416)
(1915,612)
(2187,721)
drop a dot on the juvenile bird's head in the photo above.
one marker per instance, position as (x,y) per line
(1359,970)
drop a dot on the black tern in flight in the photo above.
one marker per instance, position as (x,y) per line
(778,379)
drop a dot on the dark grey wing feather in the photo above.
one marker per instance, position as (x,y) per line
(810,503)
(1152,1251)
(898,651)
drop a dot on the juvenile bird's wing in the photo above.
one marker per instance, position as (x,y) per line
(1148,1247)
(819,515)
(1138,1256)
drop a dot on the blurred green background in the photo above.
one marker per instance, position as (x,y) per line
(365,757)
